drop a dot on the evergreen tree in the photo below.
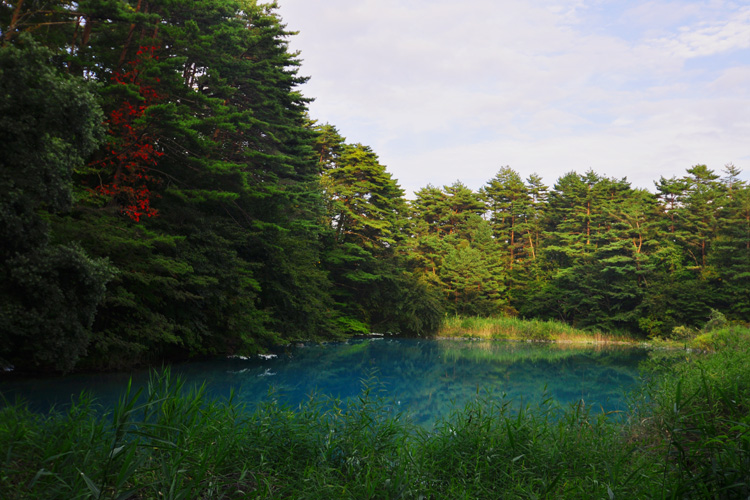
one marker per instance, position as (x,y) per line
(703,200)
(472,272)
(459,206)
(427,211)
(49,123)
(509,205)
(367,205)
(684,286)
(454,248)
(367,216)
(538,193)
(671,192)
(730,254)
(598,230)
(207,157)
(569,218)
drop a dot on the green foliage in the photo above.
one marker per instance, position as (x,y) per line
(594,252)
(704,338)
(366,213)
(206,196)
(699,407)
(486,451)
(49,122)
(49,299)
(464,273)
(719,339)
(366,204)
(206,294)
(407,304)
(681,333)
(454,248)
(685,437)
(511,213)
(716,321)
(226,220)
(730,255)
(176,439)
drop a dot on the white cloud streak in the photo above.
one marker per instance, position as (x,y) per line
(711,38)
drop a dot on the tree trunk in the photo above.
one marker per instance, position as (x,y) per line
(128,40)
(13,21)
(588,223)
(512,241)
(531,243)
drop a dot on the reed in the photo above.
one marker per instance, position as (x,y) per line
(686,436)
(509,328)
(697,416)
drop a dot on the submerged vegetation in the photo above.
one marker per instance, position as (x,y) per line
(687,435)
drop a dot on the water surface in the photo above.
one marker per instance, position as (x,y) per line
(426,378)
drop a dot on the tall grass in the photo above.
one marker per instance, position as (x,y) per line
(508,328)
(174,442)
(699,418)
(170,442)
(687,436)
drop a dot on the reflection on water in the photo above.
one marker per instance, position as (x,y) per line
(424,377)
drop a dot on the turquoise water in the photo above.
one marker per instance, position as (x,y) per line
(426,378)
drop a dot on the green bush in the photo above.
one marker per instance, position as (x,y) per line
(699,411)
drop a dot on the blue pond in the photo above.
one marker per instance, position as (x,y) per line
(426,378)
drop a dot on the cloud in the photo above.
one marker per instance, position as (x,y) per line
(710,38)
(733,81)
(444,90)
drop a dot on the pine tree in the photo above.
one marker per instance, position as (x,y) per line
(427,211)
(510,206)
(367,217)
(703,200)
(671,193)
(538,193)
(367,206)
(599,234)
(207,156)
(730,254)
(459,205)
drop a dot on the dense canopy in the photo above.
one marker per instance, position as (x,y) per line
(165,194)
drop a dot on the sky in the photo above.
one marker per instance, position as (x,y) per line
(445,90)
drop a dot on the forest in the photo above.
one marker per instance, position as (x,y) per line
(164,194)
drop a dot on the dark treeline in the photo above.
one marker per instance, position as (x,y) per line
(164,194)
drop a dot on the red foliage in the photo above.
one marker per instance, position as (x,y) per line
(131,153)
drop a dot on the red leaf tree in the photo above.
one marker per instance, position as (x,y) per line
(131,152)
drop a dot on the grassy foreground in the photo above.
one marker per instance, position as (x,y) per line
(687,436)
(508,328)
